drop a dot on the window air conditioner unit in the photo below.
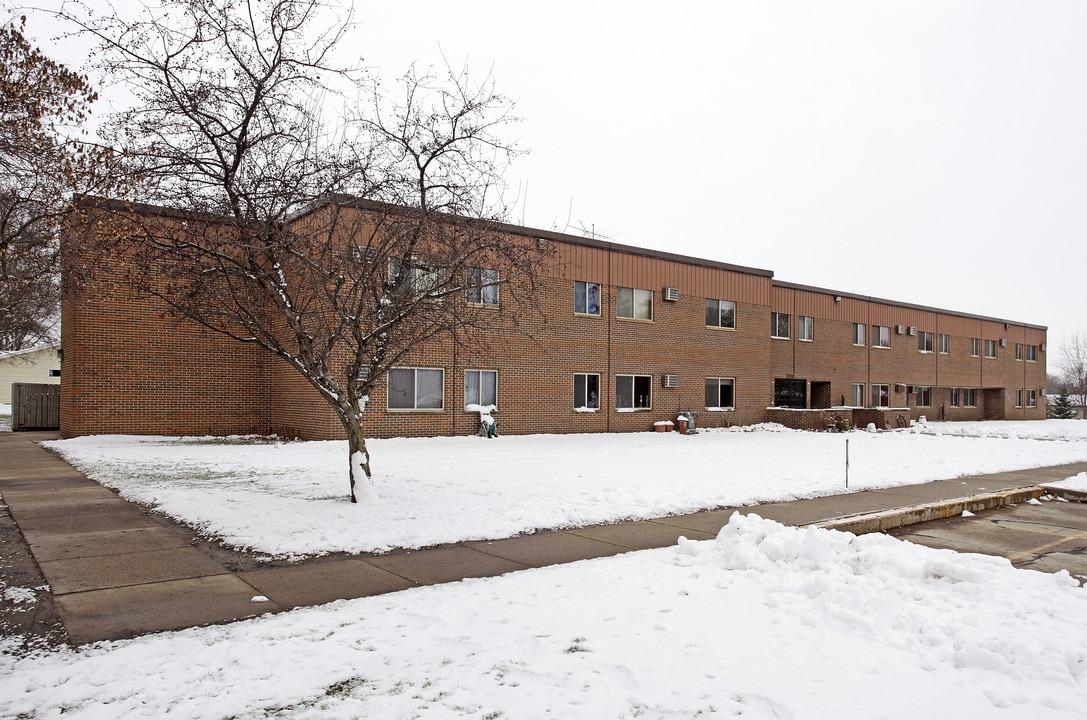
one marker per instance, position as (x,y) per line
(671,294)
(913,330)
(671,381)
(363,253)
(1003,342)
(900,329)
(1043,347)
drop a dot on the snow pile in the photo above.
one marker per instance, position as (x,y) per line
(763,622)
(289,499)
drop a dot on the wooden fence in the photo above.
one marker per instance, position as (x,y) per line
(35,406)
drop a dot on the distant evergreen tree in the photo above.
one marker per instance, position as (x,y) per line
(1062,408)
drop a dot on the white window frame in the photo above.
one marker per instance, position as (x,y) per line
(879,332)
(954,399)
(969,397)
(925,342)
(944,344)
(859,331)
(716,308)
(805,328)
(479,387)
(776,320)
(637,299)
(718,382)
(421,278)
(975,347)
(858,393)
(924,396)
(990,349)
(1032,397)
(415,390)
(1032,353)
(583,295)
(583,378)
(1018,351)
(482,286)
(636,401)
(1019,397)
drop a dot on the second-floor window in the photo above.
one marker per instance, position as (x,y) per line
(924,342)
(858,333)
(779,325)
(945,344)
(990,348)
(482,286)
(634,304)
(1032,353)
(805,328)
(586,298)
(975,347)
(720,313)
(881,336)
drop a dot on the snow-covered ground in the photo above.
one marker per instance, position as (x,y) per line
(289,499)
(5,417)
(763,622)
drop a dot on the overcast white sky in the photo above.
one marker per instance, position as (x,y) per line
(931,151)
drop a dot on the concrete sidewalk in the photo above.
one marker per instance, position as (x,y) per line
(117,570)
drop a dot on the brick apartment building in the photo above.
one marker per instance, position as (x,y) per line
(624,337)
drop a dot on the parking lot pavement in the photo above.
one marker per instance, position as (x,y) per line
(1048,536)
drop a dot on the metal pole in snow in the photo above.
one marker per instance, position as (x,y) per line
(847,463)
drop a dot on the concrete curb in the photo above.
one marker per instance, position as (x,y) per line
(889,519)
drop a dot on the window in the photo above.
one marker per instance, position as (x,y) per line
(881,396)
(779,325)
(791,393)
(954,397)
(720,313)
(1032,398)
(924,396)
(858,333)
(634,304)
(1018,351)
(881,336)
(806,328)
(416,389)
(632,392)
(719,393)
(924,342)
(480,387)
(975,347)
(969,397)
(586,391)
(1032,353)
(54,372)
(418,278)
(990,348)
(1019,397)
(945,344)
(482,287)
(858,393)
(586,298)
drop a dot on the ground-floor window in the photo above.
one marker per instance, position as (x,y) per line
(416,389)
(719,393)
(1032,398)
(858,394)
(791,393)
(481,387)
(632,392)
(586,391)
(881,396)
(969,397)
(924,396)
(954,397)
(1019,397)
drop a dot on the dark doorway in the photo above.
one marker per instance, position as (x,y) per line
(790,393)
(820,395)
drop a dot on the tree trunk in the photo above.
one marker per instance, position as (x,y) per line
(359,463)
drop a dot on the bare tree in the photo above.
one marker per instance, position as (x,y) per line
(42,103)
(1072,364)
(337,243)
